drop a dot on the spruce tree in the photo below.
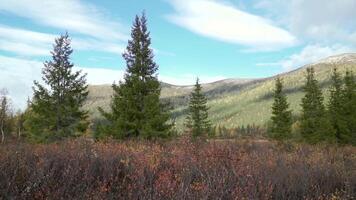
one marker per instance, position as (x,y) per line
(336,108)
(315,126)
(197,121)
(56,106)
(136,110)
(281,115)
(349,94)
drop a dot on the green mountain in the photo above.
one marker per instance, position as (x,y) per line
(235,102)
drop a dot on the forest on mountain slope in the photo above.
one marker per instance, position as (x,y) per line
(238,102)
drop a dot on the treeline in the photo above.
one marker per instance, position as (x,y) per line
(55,111)
(333,122)
(10,121)
(249,131)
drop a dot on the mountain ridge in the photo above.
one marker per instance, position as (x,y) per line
(236,101)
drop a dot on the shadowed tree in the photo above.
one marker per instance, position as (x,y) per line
(136,110)
(315,126)
(349,95)
(197,121)
(56,106)
(336,108)
(281,115)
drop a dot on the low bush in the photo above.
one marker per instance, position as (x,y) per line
(179,169)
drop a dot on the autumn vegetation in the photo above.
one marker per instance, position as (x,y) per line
(178,169)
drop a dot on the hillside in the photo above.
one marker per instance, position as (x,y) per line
(235,102)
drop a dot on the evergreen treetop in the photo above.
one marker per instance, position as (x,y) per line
(281,115)
(136,110)
(57,105)
(336,108)
(315,125)
(197,121)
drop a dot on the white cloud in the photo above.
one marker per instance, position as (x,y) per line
(97,32)
(224,22)
(71,15)
(31,43)
(325,28)
(17,77)
(316,21)
(21,35)
(99,76)
(311,54)
(23,48)
(323,20)
(25,42)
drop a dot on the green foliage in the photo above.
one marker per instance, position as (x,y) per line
(197,121)
(315,126)
(349,95)
(336,108)
(136,110)
(19,120)
(55,110)
(281,115)
(5,118)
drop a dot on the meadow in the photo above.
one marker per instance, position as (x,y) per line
(176,169)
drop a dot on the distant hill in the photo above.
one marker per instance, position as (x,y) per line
(235,102)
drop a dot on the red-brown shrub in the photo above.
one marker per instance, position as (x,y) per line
(179,169)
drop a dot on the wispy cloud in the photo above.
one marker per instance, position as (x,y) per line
(326,22)
(31,43)
(17,77)
(311,54)
(23,48)
(100,76)
(227,23)
(308,55)
(92,29)
(25,42)
(71,15)
(325,28)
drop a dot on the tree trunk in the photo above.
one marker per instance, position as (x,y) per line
(2,136)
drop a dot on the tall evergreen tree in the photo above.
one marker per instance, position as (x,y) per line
(315,126)
(281,115)
(136,110)
(349,94)
(56,106)
(336,108)
(197,121)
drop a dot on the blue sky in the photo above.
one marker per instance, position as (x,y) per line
(212,39)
